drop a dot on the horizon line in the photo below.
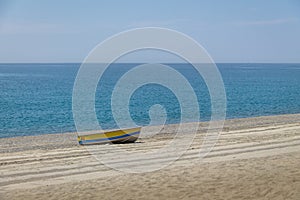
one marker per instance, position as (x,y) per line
(150,63)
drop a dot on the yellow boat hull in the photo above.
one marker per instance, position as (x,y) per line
(115,136)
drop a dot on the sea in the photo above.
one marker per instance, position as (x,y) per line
(37,98)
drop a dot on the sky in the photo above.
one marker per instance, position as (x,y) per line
(248,31)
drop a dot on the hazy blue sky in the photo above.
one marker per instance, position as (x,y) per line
(231,31)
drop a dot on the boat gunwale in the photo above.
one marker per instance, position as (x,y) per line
(100,132)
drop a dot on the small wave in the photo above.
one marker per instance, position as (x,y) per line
(22,75)
(12,75)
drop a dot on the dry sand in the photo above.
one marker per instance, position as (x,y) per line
(255,158)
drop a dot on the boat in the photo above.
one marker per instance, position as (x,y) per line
(118,136)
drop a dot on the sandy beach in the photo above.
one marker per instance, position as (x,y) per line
(254,158)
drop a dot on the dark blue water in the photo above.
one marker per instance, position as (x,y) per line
(37,98)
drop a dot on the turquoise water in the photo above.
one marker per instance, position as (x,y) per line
(37,98)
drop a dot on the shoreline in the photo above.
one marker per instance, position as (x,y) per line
(228,119)
(69,139)
(254,158)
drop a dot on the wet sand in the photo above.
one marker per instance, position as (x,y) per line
(254,158)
